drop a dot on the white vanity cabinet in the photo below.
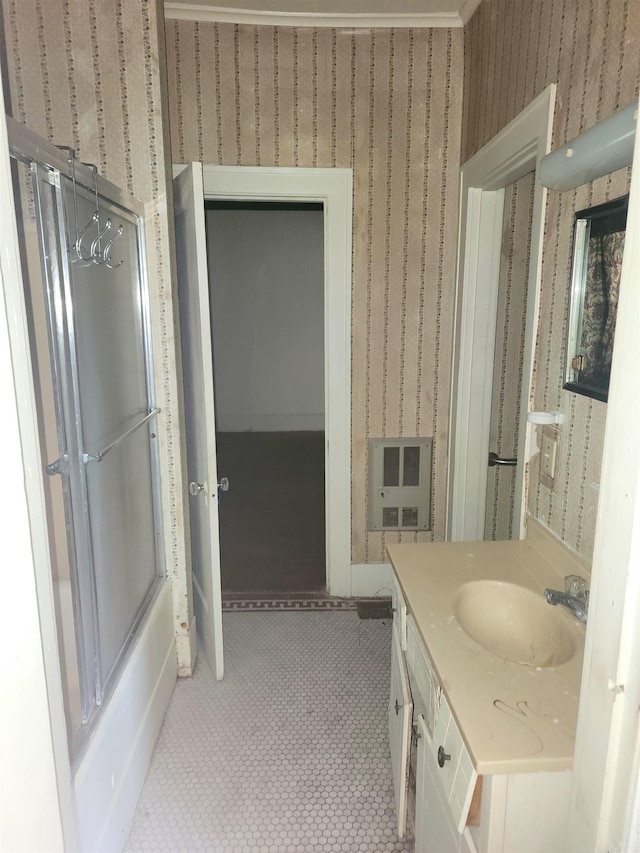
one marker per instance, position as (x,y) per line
(512,813)
(509,723)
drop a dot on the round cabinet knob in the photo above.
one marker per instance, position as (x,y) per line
(223,484)
(442,756)
(196,488)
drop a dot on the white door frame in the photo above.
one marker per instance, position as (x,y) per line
(605,799)
(333,188)
(35,767)
(512,153)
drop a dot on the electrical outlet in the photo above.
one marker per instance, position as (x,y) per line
(549,456)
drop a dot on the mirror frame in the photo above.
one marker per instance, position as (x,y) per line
(581,240)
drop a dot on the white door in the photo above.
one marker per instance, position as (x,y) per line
(512,153)
(197,365)
(505,468)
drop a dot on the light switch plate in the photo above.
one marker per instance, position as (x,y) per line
(549,455)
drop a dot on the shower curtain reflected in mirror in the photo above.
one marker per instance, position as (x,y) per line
(598,248)
(604,268)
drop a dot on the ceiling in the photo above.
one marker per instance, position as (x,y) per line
(327,13)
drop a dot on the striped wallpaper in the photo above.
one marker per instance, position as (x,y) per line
(591,50)
(387,103)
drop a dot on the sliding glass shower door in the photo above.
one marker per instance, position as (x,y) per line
(92,249)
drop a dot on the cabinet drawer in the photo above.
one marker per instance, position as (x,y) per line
(399,614)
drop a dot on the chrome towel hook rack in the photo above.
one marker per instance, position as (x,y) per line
(96,254)
(106,254)
(77,246)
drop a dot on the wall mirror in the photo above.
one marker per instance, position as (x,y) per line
(598,244)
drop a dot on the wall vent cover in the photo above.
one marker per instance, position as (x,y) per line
(400,483)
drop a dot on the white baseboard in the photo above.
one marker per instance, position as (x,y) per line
(109,779)
(371,580)
(193,639)
(187,650)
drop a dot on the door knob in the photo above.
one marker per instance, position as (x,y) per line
(494,459)
(223,484)
(196,488)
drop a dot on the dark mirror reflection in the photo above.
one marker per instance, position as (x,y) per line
(598,246)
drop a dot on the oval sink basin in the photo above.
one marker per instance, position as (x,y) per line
(514,623)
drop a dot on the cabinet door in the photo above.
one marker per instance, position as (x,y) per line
(400,716)
(435,832)
(399,613)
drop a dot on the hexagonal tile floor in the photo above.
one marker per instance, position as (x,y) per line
(287,754)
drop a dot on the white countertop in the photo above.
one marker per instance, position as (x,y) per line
(514,718)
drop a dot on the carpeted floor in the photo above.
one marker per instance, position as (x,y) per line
(288,754)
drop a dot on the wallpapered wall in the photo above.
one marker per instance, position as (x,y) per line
(512,51)
(88,74)
(387,103)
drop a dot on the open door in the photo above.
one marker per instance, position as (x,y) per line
(505,469)
(197,365)
(513,153)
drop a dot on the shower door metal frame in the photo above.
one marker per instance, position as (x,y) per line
(48,165)
(64,376)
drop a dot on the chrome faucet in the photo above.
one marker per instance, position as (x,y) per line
(575,596)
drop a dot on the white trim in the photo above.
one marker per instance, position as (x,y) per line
(467,10)
(276,18)
(193,644)
(334,188)
(606,758)
(514,152)
(35,766)
(174,478)
(371,580)
(111,774)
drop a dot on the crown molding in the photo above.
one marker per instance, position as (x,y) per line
(467,9)
(201,12)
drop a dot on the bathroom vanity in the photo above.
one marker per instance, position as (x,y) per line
(485,683)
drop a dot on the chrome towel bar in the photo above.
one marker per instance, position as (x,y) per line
(98,457)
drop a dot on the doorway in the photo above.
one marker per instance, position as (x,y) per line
(508,360)
(512,154)
(333,189)
(266,284)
